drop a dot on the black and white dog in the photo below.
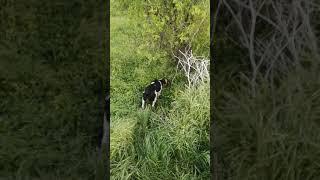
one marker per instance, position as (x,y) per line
(153,91)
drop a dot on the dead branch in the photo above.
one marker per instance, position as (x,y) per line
(195,68)
(276,34)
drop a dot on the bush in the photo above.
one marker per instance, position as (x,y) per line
(173,25)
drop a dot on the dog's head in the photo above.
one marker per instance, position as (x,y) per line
(165,82)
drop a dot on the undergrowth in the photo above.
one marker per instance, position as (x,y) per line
(168,142)
(274,135)
(51,89)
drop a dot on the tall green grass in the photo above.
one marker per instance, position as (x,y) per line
(168,142)
(274,135)
(51,89)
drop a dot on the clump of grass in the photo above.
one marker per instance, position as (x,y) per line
(188,127)
(122,136)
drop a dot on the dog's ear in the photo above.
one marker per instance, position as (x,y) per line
(165,80)
(168,82)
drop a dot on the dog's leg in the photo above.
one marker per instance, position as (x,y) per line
(155,100)
(143,102)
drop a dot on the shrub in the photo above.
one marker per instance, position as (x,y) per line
(172,25)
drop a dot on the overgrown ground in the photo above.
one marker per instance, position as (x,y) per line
(51,89)
(273,133)
(272,136)
(168,142)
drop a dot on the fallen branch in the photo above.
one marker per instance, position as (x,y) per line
(194,68)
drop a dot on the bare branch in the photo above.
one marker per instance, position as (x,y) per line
(194,68)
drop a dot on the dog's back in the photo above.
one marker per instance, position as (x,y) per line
(149,92)
(152,91)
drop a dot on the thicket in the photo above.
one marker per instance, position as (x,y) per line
(172,25)
(170,141)
(267,82)
(154,143)
(52,71)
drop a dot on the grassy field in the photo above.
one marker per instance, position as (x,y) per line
(51,89)
(168,142)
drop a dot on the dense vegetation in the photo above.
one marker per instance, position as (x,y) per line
(172,25)
(172,140)
(52,68)
(266,116)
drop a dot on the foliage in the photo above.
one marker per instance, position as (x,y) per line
(169,142)
(272,133)
(171,25)
(272,136)
(51,90)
